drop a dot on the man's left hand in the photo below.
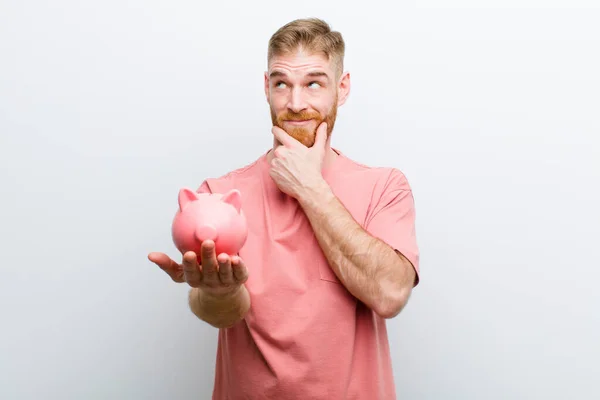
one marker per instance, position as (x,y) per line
(295,168)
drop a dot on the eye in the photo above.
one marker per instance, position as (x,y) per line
(314,85)
(280,84)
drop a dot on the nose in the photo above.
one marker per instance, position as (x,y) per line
(296,101)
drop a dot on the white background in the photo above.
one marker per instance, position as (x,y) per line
(491,109)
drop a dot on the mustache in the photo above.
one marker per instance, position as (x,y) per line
(301,116)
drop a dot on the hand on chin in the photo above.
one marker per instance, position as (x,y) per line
(295,166)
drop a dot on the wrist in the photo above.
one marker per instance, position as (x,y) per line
(220,297)
(318,194)
(220,310)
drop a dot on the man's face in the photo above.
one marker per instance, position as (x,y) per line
(303,90)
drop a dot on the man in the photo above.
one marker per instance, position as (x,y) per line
(331,250)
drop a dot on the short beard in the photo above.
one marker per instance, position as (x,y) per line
(305,136)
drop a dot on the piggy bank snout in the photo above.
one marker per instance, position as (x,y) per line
(206,232)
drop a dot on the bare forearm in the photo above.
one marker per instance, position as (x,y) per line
(370,269)
(220,312)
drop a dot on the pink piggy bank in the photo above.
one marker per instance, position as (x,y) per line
(206,216)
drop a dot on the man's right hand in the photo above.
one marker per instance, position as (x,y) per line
(216,276)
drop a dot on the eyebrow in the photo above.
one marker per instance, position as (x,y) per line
(315,74)
(318,74)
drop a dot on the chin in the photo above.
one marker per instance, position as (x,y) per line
(304,136)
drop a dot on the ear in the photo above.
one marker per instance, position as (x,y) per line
(234,198)
(267,87)
(343,88)
(186,196)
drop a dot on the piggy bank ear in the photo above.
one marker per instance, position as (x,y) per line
(234,198)
(186,196)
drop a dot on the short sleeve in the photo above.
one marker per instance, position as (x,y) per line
(392,219)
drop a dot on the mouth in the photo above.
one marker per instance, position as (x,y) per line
(296,122)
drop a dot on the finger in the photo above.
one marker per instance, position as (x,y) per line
(225,274)
(191,269)
(283,137)
(209,262)
(321,137)
(238,267)
(280,152)
(173,269)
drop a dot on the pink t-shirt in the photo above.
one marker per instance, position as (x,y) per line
(305,336)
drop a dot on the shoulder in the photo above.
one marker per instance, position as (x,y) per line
(234,178)
(384,178)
